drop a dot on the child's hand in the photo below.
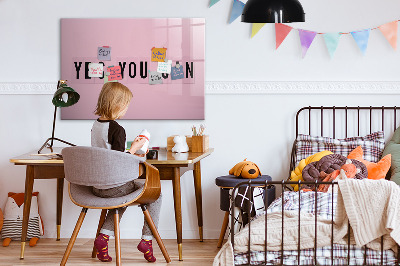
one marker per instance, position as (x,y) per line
(142,155)
(137,144)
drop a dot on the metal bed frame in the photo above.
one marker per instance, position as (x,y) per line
(283,184)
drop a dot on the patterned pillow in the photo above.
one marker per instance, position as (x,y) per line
(372,144)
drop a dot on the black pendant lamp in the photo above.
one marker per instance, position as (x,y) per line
(273,11)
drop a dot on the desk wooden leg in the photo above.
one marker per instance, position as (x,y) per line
(178,208)
(27,206)
(60,191)
(199,204)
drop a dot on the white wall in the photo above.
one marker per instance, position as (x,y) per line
(259,127)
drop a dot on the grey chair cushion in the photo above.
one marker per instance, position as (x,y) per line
(99,167)
(83,196)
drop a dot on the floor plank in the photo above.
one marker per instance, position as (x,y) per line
(50,252)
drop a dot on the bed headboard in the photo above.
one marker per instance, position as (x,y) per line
(344,121)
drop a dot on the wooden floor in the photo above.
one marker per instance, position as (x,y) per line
(50,252)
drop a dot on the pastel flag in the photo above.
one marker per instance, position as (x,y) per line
(361,37)
(237,9)
(306,39)
(281,31)
(389,30)
(256,27)
(213,2)
(332,41)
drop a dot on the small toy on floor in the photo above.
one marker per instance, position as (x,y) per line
(13,215)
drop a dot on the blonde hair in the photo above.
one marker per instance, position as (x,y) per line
(113,98)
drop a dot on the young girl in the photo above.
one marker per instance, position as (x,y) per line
(112,104)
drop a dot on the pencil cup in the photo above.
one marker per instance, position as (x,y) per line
(200,143)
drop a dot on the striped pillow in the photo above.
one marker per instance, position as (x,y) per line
(13,228)
(372,145)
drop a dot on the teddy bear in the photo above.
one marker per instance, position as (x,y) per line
(13,215)
(180,144)
(245,169)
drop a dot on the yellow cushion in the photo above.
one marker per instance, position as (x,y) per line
(296,174)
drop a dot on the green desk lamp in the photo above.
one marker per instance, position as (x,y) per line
(64,96)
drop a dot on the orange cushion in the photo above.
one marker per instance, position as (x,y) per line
(375,170)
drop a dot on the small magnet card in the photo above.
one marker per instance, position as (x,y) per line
(104,53)
(177,72)
(158,54)
(115,73)
(155,78)
(95,70)
(164,67)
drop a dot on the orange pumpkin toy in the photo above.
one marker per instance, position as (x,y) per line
(245,169)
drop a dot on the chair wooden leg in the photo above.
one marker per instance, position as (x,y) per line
(117,238)
(73,237)
(101,222)
(154,230)
(223,229)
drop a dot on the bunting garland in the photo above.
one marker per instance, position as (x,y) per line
(237,9)
(389,30)
(306,39)
(213,2)
(281,31)
(332,41)
(256,27)
(361,37)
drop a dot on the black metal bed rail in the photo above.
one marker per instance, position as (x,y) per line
(346,123)
(264,185)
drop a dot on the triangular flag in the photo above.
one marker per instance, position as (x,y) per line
(306,39)
(237,9)
(390,32)
(332,41)
(256,28)
(361,37)
(213,2)
(281,31)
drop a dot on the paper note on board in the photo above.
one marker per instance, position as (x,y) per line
(106,79)
(104,53)
(158,54)
(177,72)
(164,67)
(95,70)
(155,78)
(115,73)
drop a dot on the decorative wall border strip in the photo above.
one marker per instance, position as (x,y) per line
(303,87)
(251,87)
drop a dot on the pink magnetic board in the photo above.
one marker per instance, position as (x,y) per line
(131,42)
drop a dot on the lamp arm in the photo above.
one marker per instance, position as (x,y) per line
(54,126)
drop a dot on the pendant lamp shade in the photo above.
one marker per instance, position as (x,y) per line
(273,11)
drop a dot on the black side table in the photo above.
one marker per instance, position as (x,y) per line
(226,183)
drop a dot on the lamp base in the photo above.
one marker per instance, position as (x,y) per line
(50,146)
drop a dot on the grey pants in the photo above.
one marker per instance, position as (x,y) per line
(153,208)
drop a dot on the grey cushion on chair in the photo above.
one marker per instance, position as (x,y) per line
(85,167)
(99,167)
(83,196)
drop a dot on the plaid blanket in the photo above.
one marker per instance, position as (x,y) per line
(323,205)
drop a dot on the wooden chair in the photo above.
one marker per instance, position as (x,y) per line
(85,167)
